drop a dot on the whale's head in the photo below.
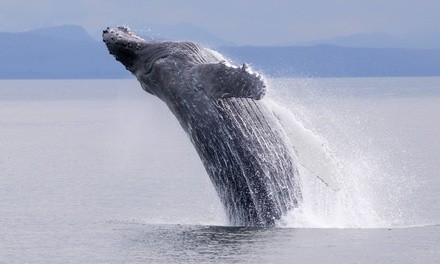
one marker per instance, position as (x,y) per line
(155,64)
(168,69)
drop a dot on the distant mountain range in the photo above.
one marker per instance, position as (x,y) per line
(59,52)
(424,40)
(334,61)
(69,52)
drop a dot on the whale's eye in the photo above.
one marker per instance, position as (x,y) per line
(149,69)
(152,65)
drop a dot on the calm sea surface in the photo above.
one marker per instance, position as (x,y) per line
(98,171)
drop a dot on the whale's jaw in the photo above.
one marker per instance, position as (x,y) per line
(124,45)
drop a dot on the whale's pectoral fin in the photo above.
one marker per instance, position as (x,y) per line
(223,81)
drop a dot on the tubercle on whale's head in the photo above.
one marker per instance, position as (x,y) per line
(124,45)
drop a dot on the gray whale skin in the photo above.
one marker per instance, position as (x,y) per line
(238,138)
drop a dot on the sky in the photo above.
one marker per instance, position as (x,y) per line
(242,22)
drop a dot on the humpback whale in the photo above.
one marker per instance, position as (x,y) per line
(238,138)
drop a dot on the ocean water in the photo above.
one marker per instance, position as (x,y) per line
(98,171)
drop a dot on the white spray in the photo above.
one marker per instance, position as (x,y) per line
(334,189)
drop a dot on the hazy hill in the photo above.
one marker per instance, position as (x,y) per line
(60,52)
(69,52)
(64,32)
(422,40)
(333,61)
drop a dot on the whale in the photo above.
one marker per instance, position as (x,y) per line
(221,107)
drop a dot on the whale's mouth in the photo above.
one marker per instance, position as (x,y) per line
(123,44)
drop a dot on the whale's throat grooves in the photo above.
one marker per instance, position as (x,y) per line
(247,159)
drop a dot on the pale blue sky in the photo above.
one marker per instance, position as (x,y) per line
(239,21)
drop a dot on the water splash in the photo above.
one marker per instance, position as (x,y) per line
(335,178)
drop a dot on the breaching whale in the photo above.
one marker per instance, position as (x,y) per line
(239,140)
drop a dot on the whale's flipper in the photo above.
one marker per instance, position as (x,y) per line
(310,149)
(224,81)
